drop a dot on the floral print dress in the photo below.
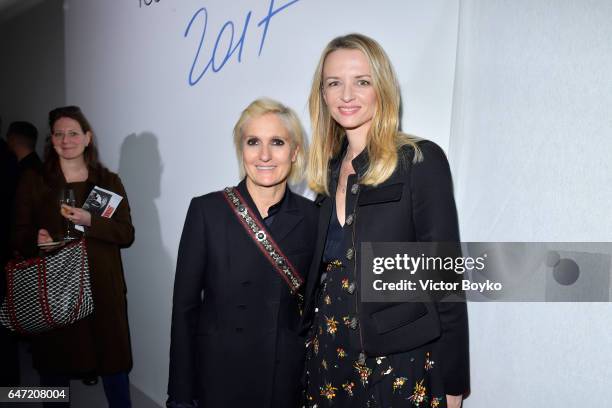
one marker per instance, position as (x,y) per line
(338,373)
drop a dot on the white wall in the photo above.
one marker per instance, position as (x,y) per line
(530,146)
(32,64)
(529,143)
(128,67)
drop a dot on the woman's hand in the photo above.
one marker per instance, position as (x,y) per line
(77,216)
(454,401)
(44,236)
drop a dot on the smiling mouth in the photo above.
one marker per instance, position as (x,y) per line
(349,110)
(265,167)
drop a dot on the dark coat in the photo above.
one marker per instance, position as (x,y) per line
(235,324)
(31,161)
(415,204)
(99,343)
(9,172)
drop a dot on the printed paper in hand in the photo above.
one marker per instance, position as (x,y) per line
(100,202)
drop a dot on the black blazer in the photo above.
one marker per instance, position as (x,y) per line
(415,204)
(235,325)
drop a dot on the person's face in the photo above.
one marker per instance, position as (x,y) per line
(69,140)
(266,151)
(348,91)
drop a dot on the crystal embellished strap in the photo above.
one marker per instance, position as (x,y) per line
(263,240)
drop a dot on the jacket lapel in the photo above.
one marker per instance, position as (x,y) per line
(286,220)
(325,203)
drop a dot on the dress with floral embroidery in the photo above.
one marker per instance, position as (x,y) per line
(338,373)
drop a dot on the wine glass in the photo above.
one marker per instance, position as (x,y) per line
(67,198)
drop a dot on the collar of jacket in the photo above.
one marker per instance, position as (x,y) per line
(56,178)
(288,215)
(285,204)
(30,160)
(360,162)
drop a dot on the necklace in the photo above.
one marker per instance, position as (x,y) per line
(345,170)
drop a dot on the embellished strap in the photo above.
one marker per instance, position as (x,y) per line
(264,241)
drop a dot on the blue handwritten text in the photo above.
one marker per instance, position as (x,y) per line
(218,58)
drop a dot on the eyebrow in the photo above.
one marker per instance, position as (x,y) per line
(272,137)
(356,76)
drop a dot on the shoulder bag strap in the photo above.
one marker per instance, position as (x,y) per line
(264,241)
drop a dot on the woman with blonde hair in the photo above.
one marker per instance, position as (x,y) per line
(243,256)
(375,184)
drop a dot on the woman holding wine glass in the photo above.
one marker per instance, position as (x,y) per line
(48,206)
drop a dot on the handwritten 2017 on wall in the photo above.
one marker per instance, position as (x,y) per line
(218,58)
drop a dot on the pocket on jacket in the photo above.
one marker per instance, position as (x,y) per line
(398,316)
(383,194)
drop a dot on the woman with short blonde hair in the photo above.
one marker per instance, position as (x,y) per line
(292,123)
(243,256)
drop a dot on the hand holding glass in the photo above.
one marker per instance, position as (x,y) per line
(67,198)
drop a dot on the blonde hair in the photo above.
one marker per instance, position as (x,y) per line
(289,118)
(384,138)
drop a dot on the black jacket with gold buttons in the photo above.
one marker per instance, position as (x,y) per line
(415,204)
